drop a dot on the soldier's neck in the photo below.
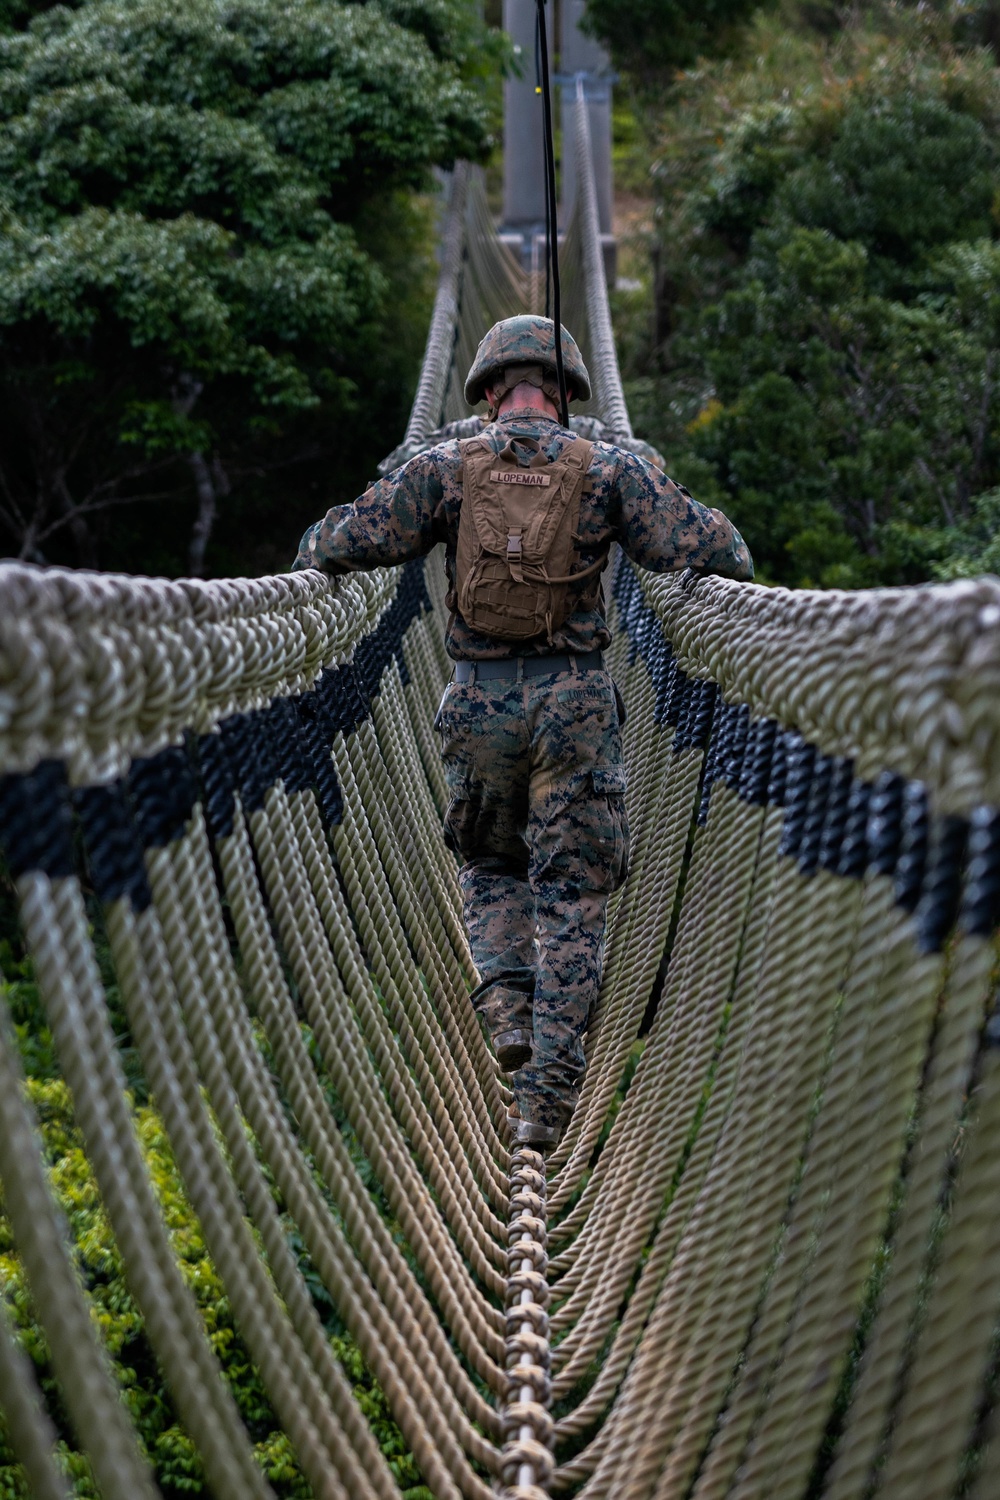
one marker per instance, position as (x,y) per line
(525,413)
(527,398)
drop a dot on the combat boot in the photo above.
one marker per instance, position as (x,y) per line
(506,1009)
(543,1138)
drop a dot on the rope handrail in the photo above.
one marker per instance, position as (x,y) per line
(603,355)
(899,679)
(761,1261)
(428,403)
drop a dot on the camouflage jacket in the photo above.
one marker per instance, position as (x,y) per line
(404,515)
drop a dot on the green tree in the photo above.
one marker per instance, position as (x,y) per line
(652,38)
(16,14)
(827,362)
(203,207)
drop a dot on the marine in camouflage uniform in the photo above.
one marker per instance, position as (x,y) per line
(587,427)
(531,731)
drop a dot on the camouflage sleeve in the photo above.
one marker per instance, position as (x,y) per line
(394,521)
(664,529)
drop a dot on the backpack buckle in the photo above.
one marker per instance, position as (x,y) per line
(514,554)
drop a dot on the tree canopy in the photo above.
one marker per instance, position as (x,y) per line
(652,38)
(826,358)
(206,208)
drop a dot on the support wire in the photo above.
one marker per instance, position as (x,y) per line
(551,221)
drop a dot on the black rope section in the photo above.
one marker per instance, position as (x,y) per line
(551,220)
(103,831)
(945,869)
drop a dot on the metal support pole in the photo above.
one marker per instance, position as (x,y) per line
(523,159)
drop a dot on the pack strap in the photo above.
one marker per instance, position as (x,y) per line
(586,572)
(514,553)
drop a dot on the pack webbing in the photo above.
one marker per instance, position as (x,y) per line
(763,1261)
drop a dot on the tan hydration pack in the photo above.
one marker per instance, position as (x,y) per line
(516,536)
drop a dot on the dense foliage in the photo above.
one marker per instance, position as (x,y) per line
(211,263)
(824,362)
(650,38)
(176,1462)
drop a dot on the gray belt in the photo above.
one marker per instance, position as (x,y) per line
(528,666)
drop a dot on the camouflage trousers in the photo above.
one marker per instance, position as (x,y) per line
(537,817)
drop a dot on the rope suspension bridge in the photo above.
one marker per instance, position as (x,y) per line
(764,1259)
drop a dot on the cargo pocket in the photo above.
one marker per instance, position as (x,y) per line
(460,823)
(609,784)
(582,833)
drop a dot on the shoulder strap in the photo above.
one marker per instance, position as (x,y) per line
(579,453)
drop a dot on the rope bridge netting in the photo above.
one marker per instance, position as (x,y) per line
(764,1261)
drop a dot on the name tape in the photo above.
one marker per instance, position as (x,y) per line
(519,476)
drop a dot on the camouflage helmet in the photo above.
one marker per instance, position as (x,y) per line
(526,341)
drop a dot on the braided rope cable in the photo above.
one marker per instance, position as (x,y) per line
(681,788)
(435,369)
(150,1000)
(673,1027)
(429,1057)
(816,1198)
(965,995)
(936,1419)
(611,398)
(56,928)
(819,1000)
(493,287)
(459,1044)
(96,1410)
(436,1139)
(527,1461)
(688,1071)
(896,690)
(659,808)
(393,850)
(363,1223)
(848,1213)
(220,1030)
(32,1432)
(679,1069)
(723,1256)
(92,664)
(683,1202)
(473,1321)
(385,1325)
(181,907)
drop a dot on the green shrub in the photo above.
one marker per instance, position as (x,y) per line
(175,1461)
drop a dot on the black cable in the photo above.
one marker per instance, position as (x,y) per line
(552,233)
(539,29)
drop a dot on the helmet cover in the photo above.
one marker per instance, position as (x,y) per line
(525,340)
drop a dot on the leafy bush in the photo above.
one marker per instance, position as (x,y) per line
(830,281)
